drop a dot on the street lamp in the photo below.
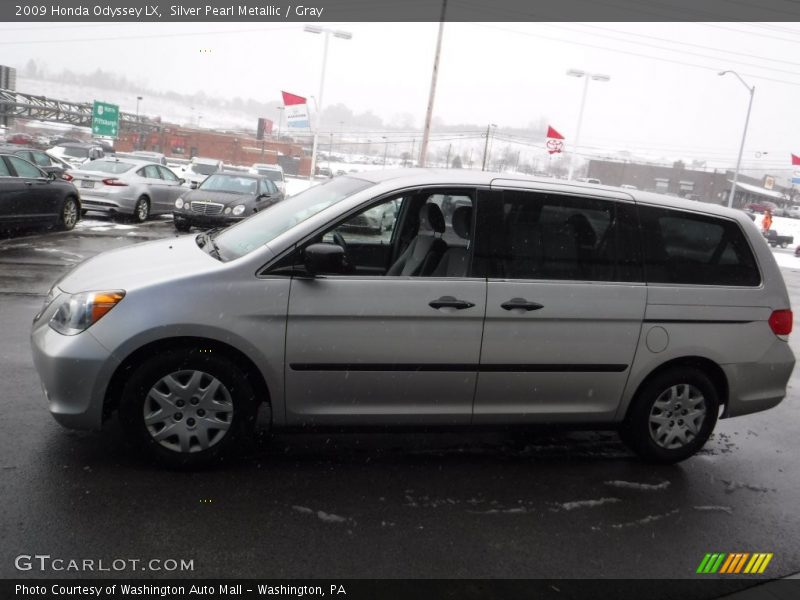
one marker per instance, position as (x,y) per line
(752,91)
(280,118)
(337,33)
(138,128)
(587,76)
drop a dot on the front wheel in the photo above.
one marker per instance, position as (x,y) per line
(672,416)
(69,214)
(182,226)
(141,211)
(187,407)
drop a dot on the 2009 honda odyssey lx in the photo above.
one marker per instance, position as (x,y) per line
(488,301)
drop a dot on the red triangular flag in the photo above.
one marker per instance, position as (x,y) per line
(291,99)
(552,133)
(795,160)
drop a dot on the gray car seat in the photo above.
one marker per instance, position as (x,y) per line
(455,261)
(426,249)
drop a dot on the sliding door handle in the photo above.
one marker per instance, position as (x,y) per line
(521,303)
(450,302)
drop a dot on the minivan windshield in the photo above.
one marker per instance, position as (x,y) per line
(265,226)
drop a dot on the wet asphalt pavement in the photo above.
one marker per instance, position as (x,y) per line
(514,505)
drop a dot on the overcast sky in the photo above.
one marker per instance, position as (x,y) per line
(664,96)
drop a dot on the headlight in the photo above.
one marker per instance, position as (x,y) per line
(237,210)
(179,203)
(51,295)
(78,312)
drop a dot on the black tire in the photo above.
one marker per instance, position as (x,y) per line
(141,211)
(69,214)
(784,244)
(181,361)
(182,226)
(636,429)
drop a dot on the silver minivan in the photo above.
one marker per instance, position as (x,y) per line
(490,301)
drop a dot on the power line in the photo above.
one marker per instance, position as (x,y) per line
(722,50)
(635,54)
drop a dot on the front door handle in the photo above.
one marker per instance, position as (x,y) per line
(450,302)
(521,303)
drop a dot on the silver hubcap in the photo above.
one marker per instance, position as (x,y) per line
(142,210)
(188,411)
(677,416)
(70,213)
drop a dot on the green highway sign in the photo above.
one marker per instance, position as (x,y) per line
(105,119)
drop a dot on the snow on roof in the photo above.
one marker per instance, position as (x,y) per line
(754,189)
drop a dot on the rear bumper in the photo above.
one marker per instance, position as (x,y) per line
(109,204)
(757,386)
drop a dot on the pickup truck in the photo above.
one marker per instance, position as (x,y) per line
(773,239)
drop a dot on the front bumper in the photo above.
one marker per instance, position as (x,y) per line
(197,220)
(75,372)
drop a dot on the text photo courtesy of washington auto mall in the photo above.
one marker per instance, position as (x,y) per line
(381,299)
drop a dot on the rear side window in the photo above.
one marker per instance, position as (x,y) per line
(529,235)
(686,248)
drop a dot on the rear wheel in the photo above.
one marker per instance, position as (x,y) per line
(672,416)
(187,407)
(141,211)
(69,214)
(784,244)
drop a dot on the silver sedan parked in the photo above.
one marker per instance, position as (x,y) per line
(138,188)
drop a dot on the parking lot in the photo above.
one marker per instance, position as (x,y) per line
(431,505)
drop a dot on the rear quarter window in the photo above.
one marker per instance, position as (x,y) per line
(686,248)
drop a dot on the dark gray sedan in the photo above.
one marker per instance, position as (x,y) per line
(224,198)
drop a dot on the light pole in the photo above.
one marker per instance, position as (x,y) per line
(587,77)
(752,91)
(486,145)
(138,128)
(344,35)
(280,118)
(385,150)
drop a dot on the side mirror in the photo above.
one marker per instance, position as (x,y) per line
(321,259)
(193,185)
(181,181)
(52,176)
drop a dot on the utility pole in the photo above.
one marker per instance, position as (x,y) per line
(447,162)
(486,145)
(423,149)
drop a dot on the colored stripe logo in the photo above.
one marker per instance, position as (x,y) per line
(735,563)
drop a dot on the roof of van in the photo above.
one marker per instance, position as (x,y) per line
(418,176)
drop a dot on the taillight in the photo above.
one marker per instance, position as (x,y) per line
(67,176)
(114,181)
(780,321)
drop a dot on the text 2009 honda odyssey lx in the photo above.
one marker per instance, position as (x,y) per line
(488,301)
